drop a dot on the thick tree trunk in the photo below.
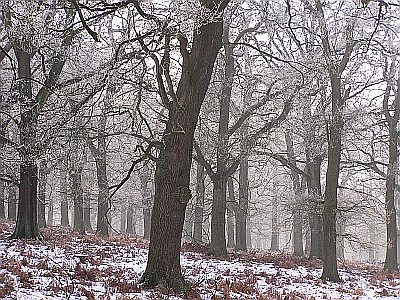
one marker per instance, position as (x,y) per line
(12,202)
(146,201)
(27,225)
(42,194)
(315,209)
(332,176)
(64,196)
(242,209)
(231,214)
(218,237)
(199,206)
(172,175)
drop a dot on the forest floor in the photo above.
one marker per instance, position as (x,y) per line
(67,266)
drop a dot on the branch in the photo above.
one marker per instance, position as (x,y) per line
(201,160)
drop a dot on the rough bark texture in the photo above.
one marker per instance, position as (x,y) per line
(172,174)
(241,211)
(199,206)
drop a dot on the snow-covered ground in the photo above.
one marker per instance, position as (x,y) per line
(66,266)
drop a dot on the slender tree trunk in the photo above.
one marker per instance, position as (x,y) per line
(12,202)
(199,206)
(42,193)
(297,211)
(332,176)
(122,227)
(77,194)
(172,175)
(64,196)
(275,227)
(242,209)
(231,213)
(50,213)
(129,219)
(146,201)
(391,260)
(86,212)
(372,242)
(2,202)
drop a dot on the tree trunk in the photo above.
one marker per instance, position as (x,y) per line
(372,242)
(86,212)
(64,196)
(12,202)
(129,219)
(275,227)
(391,263)
(218,242)
(146,201)
(314,210)
(332,176)
(77,194)
(199,206)
(231,213)
(122,228)
(172,175)
(50,213)
(42,194)
(2,202)
(27,225)
(241,211)
(297,211)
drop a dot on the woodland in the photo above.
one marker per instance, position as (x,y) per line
(240,130)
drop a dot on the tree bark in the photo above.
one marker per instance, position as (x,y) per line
(130,224)
(146,201)
(231,214)
(297,211)
(199,206)
(122,227)
(2,202)
(27,225)
(42,193)
(275,227)
(391,263)
(332,176)
(77,195)
(86,212)
(172,176)
(64,195)
(218,237)
(242,209)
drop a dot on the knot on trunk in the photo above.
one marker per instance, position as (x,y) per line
(183,194)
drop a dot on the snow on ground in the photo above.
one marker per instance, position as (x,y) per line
(66,266)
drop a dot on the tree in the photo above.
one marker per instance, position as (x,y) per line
(172,174)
